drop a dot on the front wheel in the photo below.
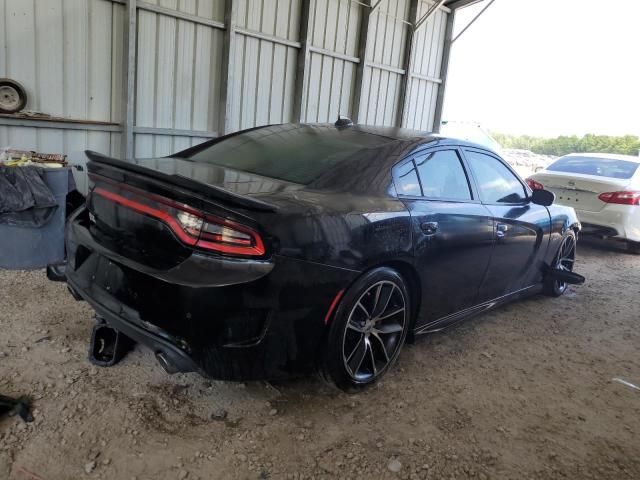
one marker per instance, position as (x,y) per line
(368,330)
(564,260)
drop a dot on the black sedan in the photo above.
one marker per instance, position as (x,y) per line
(296,248)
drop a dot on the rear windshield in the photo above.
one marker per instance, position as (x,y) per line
(601,167)
(294,153)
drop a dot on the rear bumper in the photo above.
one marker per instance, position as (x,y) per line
(253,327)
(176,357)
(613,220)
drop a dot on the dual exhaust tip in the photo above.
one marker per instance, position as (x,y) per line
(109,346)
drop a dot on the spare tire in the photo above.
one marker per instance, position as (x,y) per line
(13,96)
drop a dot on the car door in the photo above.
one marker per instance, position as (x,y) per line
(452,231)
(520,227)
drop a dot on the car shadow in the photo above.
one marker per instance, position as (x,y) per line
(603,245)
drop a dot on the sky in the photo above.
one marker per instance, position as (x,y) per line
(548,67)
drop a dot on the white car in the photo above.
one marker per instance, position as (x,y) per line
(603,188)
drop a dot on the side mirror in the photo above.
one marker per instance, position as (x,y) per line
(543,197)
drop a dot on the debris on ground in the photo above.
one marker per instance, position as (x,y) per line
(523,392)
(15,406)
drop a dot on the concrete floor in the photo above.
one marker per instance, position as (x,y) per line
(526,391)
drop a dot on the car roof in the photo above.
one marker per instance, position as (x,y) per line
(606,156)
(406,135)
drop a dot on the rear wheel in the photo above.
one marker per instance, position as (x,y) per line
(368,330)
(564,260)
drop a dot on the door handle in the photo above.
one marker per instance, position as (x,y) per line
(429,228)
(501,230)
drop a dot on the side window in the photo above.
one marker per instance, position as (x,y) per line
(442,176)
(406,180)
(496,182)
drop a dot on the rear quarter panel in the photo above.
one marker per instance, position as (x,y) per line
(341,230)
(562,219)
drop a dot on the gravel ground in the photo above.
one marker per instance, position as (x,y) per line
(523,392)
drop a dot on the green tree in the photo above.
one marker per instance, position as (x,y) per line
(563,145)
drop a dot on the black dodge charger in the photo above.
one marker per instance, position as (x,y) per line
(295,248)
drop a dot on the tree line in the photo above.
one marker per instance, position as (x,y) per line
(626,145)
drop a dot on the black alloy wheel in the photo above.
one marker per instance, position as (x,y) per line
(564,261)
(368,330)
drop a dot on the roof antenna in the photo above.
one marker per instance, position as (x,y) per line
(343,121)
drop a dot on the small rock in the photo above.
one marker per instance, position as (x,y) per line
(183,474)
(219,414)
(273,412)
(89,467)
(394,465)
(65,350)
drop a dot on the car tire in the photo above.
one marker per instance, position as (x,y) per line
(368,330)
(13,96)
(564,258)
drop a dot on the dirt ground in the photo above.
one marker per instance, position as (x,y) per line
(523,392)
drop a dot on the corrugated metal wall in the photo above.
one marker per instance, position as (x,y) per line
(66,55)
(70,55)
(426,62)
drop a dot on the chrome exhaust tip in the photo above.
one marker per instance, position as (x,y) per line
(165,363)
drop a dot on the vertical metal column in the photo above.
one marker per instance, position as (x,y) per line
(304,57)
(407,64)
(362,55)
(129,79)
(227,66)
(444,70)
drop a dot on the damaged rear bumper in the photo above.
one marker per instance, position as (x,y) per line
(176,360)
(225,322)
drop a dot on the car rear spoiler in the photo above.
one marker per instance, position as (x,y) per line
(181,181)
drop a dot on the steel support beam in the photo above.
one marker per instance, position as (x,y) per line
(461,3)
(362,55)
(12,120)
(407,65)
(444,70)
(175,132)
(432,9)
(170,12)
(227,67)
(129,79)
(304,57)
(473,20)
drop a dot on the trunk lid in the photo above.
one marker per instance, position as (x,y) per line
(157,211)
(579,191)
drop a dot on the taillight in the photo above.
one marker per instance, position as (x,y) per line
(191,226)
(533,185)
(621,198)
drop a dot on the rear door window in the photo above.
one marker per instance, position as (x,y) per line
(442,176)
(406,180)
(496,183)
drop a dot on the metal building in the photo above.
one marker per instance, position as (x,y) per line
(148,78)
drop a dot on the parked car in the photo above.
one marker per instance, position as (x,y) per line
(603,188)
(291,248)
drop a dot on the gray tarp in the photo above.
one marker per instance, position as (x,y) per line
(25,199)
